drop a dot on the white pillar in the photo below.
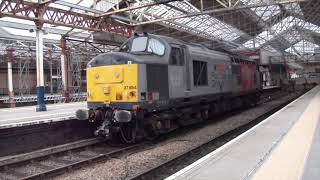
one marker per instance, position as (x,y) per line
(40,76)
(10,81)
(64,68)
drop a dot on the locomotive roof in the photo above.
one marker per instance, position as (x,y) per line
(167,39)
(198,47)
(122,57)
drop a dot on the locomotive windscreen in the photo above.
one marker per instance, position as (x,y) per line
(145,44)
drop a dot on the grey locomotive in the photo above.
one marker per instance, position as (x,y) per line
(155,84)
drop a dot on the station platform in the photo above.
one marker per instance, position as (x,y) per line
(23,116)
(285,146)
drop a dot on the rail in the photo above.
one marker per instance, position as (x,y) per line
(57,160)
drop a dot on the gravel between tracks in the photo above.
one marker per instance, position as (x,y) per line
(128,165)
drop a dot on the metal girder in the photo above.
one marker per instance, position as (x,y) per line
(228,3)
(137,7)
(76,6)
(86,9)
(42,13)
(226,9)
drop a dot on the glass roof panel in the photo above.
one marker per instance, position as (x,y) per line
(270,48)
(284,28)
(19,32)
(10,19)
(292,36)
(59,6)
(303,47)
(205,25)
(106,5)
(294,8)
(249,44)
(264,12)
(86,3)
(79,6)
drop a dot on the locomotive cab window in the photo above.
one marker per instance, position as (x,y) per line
(139,44)
(143,44)
(200,75)
(176,57)
(124,48)
(155,47)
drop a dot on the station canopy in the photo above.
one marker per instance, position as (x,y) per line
(282,26)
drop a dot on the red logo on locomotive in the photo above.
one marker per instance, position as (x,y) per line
(219,68)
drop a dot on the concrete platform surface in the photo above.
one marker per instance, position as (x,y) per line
(284,146)
(22,116)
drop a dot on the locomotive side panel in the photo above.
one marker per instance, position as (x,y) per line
(157,82)
(142,82)
(236,80)
(210,74)
(221,75)
(245,77)
(176,81)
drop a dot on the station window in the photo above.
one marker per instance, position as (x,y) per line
(200,75)
(177,57)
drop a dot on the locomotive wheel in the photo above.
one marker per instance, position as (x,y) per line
(150,133)
(205,114)
(128,132)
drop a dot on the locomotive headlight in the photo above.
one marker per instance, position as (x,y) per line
(132,94)
(118,96)
(106,90)
(116,75)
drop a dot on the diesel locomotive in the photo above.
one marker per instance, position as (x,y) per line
(155,84)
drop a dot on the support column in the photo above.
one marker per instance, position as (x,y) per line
(40,76)
(50,67)
(64,69)
(10,82)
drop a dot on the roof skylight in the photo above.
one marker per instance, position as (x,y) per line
(264,12)
(204,25)
(303,47)
(285,25)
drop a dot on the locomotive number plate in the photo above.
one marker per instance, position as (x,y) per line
(130,87)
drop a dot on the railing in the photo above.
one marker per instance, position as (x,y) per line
(56,98)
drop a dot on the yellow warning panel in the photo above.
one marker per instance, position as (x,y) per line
(112,83)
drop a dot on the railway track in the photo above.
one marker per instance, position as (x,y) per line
(176,163)
(57,160)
